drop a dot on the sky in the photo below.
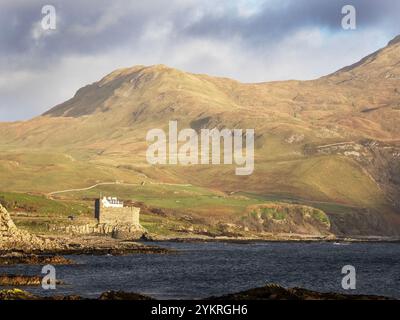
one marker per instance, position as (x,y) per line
(248,40)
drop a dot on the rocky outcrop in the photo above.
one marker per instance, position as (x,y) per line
(12,238)
(383,163)
(14,258)
(121,295)
(276,292)
(8,280)
(268,292)
(287,218)
(18,294)
(7,226)
(117,231)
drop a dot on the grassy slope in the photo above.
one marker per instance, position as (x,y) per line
(323,178)
(41,206)
(36,212)
(281,172)
(48,154)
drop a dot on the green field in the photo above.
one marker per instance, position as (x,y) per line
(39,205)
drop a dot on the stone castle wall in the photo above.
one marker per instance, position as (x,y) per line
(116,216)
(121,223)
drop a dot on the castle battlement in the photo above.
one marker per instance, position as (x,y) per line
(111,202)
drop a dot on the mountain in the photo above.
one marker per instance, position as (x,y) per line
(333,141)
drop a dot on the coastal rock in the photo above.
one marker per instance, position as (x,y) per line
(12,238)
(276,292)
(21,280)
(268,292)
(116,231)
(287,218)
(33,259)
(16,294)
(121,295)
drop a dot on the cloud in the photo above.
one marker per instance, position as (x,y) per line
(250,40)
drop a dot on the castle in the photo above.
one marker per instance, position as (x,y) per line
(110,210)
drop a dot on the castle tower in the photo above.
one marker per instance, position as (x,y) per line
(109,210)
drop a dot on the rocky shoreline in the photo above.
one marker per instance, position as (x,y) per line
(283,239)
(58,257)
(14,241)
(15,258)
(268,293)
(277,292)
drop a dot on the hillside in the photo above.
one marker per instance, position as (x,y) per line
(333,140)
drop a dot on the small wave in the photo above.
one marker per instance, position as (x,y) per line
(341,243)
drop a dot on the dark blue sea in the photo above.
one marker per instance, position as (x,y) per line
(200,270)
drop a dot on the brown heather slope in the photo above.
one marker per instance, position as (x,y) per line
(100,133)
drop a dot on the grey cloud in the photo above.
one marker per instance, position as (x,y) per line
(91,26)
(83,27)
(273,22)
(197,35)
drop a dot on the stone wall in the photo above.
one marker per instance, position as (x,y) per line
(115,216)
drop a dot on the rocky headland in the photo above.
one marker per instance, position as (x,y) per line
(21,247)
